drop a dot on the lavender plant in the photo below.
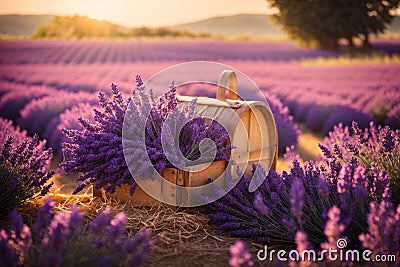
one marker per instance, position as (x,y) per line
(13,101)
(239,256)
(62,239)
(302,244)
(346,116)
(97,151)
(300,201)
(377,148)
(318,114)
(7,128)
(393,117)
(288,131)
(68,119)
(35,115)
(382,236)
(380,106)
(23,163)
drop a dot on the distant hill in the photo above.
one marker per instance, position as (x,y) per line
(251,24)
(236,25)
(83,27)
(22,25)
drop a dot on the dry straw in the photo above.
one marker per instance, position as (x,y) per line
(182,237)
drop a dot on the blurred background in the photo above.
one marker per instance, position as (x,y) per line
(319,63)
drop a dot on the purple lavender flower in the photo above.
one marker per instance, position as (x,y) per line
(239,256)
(17,160)
(301,200)
(35,116)
(393,118)
(97,152)
(261,206)
(7,129)
(302,244)
(290,155)
(297,198)
(288,131)
(289,223)
(20,234)
(44,218)
(117,227)
(333,229)
(317,115)
(383,235)
(137,248)
(346,116)
(8,255)
(301,240)
(63,241)
(323,188)
(68,120)
(12,102)
(101,222)
(376,148)
(56,239)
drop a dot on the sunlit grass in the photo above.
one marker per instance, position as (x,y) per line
(361,59)
(307,148)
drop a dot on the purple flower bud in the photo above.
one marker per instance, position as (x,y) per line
(297,198)
(333,229)
(261,206)
(239,256)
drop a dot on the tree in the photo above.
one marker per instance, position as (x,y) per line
(76,27)
(322,23)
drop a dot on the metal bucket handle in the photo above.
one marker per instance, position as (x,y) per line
(227,80)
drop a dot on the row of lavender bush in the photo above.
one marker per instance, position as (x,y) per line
(323,112)
(360,96)
(320,203)
(45,111)
(56,239)
(62,239)
(23,167)
(92,52)
(352,192)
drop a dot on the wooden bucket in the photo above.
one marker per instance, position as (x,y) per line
(255,140)
(189,177)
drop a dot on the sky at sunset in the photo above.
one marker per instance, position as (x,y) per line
(137,12)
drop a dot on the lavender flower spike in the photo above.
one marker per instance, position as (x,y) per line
(239,256)
(297,199)
(333,229)
(260,205)
(63,241)
(383,230)
(302,243)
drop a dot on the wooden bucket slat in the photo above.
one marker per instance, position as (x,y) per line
(190,177)
(256,119)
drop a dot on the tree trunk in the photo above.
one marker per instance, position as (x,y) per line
(329,43)
(366,43)
(351,42)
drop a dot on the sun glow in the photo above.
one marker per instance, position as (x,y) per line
(137,13)
(97,18)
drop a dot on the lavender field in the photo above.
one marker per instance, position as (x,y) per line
(33,73)
(349,192)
